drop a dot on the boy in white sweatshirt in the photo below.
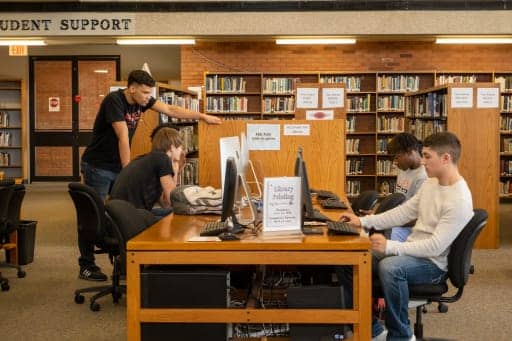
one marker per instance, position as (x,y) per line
(442,207)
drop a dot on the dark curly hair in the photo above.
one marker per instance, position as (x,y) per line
(403,143)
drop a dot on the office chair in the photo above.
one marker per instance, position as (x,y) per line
(364,202)
(389,202)
(459,268)
(13,216)
(95,226)
(6,226)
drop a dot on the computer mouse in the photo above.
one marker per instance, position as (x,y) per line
(227,236)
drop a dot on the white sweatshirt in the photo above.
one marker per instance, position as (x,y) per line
(441,213)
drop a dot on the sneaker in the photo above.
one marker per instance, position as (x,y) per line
(382,336)
(92,273)
(413,338)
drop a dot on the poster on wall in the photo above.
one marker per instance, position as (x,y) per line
(53,104)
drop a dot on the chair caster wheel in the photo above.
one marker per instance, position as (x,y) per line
(95,306)
(442,308)
(21,274)
(5,287)
(79,299)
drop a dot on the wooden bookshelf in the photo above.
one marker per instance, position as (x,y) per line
(477,128)
(504,79)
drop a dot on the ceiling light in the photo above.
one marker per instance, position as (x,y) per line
(474,41)
(25,42)
(100,71)
(155,41)
(315,41)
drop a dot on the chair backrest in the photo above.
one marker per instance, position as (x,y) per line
(364,201)
(5,197)
(13,212)
(391,201)
(128,220)
(90,211)
(459,258)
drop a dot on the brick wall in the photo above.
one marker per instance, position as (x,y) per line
(366,56)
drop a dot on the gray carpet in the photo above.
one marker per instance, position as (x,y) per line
(41,306)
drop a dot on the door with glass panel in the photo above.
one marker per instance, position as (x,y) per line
(65,95)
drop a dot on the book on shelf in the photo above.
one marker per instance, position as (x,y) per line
(352,146)
(398,83)
(505,82)
(390,102)
(390,124)
(281,85)
(353,187)
(226,104)
(358,103)
(225,84)
(353,83)
(448,79)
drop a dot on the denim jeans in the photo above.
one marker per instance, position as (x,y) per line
(395,273)
(101,180)
(400,233)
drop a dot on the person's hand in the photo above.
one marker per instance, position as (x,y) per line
(351,219)
(210,119)
(378,242)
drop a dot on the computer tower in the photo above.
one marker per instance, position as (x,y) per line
(171,287)
(316,296)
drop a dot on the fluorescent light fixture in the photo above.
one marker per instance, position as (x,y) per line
(474,41)
(155,41)
(315,41)
(100,71)
(25,42)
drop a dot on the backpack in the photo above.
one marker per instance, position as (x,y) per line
(192,199)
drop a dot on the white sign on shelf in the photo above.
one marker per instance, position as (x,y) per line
(282,205)
(307,98)
(264,136)
(487,97)
(320,114)
(297,129)
(333,98)
(462,98)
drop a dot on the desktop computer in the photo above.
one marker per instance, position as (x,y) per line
(316,296)
(184,287)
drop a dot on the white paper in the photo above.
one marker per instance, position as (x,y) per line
(307,98)
(297,129)
(462,98)
(264,136)
(487,97)
(333,98)
(53,104)
(319,114)
(196,89)
(282,204)
(229,147)
(204,239)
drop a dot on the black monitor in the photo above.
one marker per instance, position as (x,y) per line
(230,189)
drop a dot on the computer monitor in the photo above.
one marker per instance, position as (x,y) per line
(229,190)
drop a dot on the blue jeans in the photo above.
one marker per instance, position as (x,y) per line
(101,180)
(400,233)
(395,273)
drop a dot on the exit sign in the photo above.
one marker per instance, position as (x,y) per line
(18,50)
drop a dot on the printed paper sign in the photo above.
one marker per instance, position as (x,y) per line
(264,136)
(53,104)
(488,97)
(297,129)
(333,98)
(282,204)
(319,114)
(307,98)
(462,98)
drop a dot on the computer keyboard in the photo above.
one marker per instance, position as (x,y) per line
(324,194)
(214,228)
(333,203)
(342,227)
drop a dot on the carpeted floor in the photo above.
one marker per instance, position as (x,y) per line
(41,306)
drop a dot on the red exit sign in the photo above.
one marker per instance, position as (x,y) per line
(18,50)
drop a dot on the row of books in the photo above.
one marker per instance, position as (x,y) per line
(390,124)
(448,79)
(421,129)
(506,123)
(505,167)
(382,145)
(187,102)
(190,173)
(218,84)
(506,187)
(354,166)
(353,83)
(352,146)
(5,159)
(430,105)
(278,104)
(353,187)
(393,102)
(505,82)
(386,167)
(226,104)
(358,103)
(279,85)
(506,103)
(400,83)
(387,186)
(4,119)
(350,124)
(189,138)
(5,139)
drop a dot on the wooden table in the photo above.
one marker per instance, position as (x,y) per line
(166,243)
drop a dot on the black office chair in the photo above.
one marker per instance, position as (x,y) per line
(459,268)
(365,201)
(95,226)
(389,202)
(13,216)
(6,226)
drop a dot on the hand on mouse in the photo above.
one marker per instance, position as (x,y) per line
(351,219)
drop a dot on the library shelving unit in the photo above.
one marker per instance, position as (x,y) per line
(141,141)
(504,79)
(12,132)
(465,110)
(465,77)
